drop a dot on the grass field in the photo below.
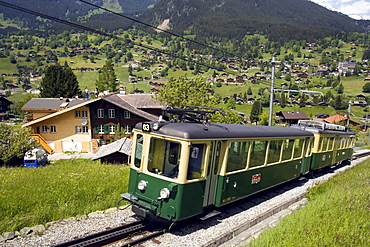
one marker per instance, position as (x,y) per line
(337,215)
(29,197)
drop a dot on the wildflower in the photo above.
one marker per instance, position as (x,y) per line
(339,236)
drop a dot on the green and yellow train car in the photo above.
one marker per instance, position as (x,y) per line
(333,143)
(180,169)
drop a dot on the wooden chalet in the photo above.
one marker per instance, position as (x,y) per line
(291,117)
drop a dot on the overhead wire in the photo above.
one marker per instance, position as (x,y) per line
(92,30)
(154,27)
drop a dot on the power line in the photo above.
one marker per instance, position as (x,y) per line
(157,28)
(103,34)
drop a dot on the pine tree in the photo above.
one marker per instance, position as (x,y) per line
(256,112)
(249,91)
(283,100)
(59,82)
(107,78)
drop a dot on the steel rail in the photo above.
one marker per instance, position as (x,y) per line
(108,236)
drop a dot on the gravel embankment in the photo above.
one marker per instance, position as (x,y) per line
(235,219)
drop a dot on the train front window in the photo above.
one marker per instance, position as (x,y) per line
(138,150)
(164,157)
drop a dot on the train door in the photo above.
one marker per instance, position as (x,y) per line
(337,145)
(212,173)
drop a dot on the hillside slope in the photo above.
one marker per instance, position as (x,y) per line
(280,20)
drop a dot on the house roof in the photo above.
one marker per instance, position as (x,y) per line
(294,115)
(82,103)
(50,104)
(335,118)
(114,98)
(142,101)
(121,102)
(123,145)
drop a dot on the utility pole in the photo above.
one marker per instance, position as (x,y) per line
(349,112)
(273,62)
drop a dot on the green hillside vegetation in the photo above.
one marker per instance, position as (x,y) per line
(336,215)
(67,188)
(24,55)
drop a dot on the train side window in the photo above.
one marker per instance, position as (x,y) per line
(288,149)
(320,144)
(138,150)
(257,154)
(237,156)
(196,165)
(331,144)
(298,148)
(325,144)
(274,151)
(340,142)
(311,145)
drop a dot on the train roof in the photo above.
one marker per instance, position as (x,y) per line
(191,130)
(323,128)
(321,131)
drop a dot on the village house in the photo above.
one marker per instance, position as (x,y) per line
(291,117)
(4,108)
(74,125)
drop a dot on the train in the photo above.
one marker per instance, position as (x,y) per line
(190,166)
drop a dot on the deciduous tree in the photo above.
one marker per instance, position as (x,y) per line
(14,142)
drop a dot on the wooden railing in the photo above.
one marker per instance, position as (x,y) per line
(43,143)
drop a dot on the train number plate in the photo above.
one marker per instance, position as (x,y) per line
(146,127)
(256,178)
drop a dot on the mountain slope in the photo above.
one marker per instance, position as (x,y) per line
(233,18)
(71,10)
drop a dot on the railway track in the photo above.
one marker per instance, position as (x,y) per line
(143,229)
(360,154)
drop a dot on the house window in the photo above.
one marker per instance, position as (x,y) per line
(44,129)
(100,113)
(101,129)
(84,114)
(111,113)
(128,129)
(126,114)
(112,129)
(77,114)
(81,129)
(53,129)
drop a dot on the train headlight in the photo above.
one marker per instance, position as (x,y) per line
(142,185)
(164,194)
(155,126)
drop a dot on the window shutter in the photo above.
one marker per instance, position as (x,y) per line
(106,129)
(96,129)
